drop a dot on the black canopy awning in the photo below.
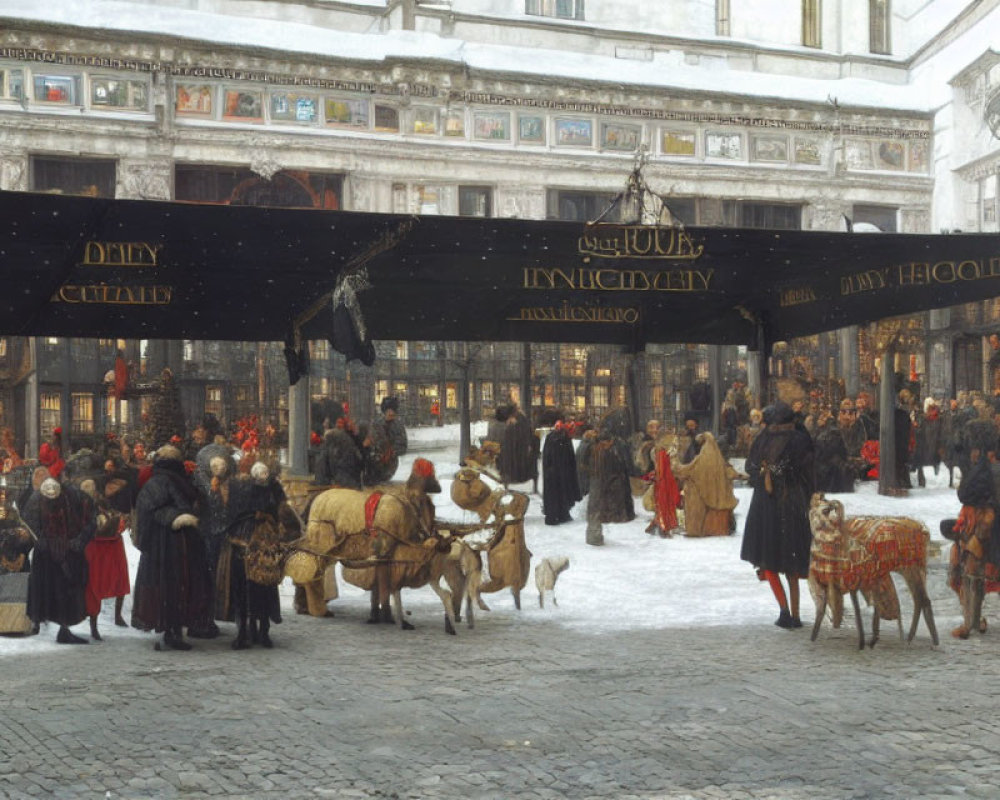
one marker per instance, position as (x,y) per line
(76,266)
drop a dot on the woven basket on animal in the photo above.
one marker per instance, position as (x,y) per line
(857,554)
(508,559)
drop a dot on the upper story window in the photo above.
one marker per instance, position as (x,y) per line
(878,23)
(811,23)
(561,9)
(772,216)
(581,206)
(988,203)
(61,89)
(117,93)
(885,218)
(11,83)
(722,18)
(80,176)
(475,201)
(239,186)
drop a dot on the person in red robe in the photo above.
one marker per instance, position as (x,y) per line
(106,561)
(666,495)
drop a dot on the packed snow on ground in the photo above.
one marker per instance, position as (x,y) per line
(634,581)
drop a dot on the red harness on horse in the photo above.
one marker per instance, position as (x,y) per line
(371,505)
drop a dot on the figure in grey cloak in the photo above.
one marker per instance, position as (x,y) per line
(389,442)
(609,465)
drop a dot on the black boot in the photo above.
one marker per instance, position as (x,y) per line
(66,636)
(784,619)
(265,638)
(242,640)
(174,640)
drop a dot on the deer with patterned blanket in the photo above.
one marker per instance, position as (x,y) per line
(857,554)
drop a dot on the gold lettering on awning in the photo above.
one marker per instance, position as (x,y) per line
(639,241)
(121,254)
(617,280)
(103,294)
(569,313)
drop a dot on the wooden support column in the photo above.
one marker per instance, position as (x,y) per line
(715,379)
(298,427)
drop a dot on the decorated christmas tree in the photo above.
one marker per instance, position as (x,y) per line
(166,417)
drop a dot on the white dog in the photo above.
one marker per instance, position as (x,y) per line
(546,574)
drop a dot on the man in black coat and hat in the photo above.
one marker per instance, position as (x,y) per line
(172,587)
(777,537)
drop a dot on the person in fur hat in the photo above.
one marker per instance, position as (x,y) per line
(342,458)
(388,443)
(172,588)
(64,520)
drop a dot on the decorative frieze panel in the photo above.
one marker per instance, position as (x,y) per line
(144,180)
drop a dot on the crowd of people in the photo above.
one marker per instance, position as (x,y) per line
(209,515)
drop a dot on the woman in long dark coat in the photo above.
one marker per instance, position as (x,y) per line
(64,520)
(172,585)
(518,460)
(777,536)
(560,488)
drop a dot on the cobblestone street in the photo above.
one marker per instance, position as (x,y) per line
(341,709)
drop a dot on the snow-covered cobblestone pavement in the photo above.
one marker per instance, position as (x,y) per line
(660,675)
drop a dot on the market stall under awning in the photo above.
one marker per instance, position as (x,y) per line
(74,266)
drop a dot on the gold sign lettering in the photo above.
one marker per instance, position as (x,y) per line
(639,241)
(797,296)
(920,273)
(569,313)
(121,254)
(618,280)
(102,294)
